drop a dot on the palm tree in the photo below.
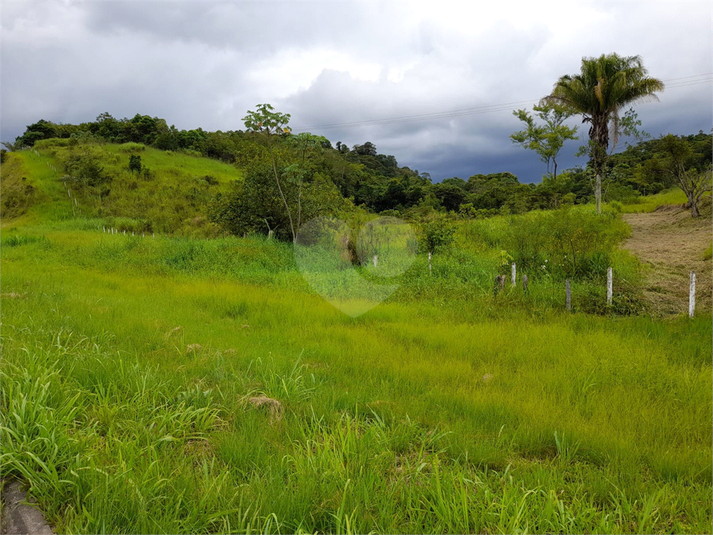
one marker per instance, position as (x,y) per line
(605,85)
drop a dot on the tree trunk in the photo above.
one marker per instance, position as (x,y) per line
(599,134)
(279,188)
(694,208)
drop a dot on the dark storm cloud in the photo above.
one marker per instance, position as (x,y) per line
(203,64)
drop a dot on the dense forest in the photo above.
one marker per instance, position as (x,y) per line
(306,175)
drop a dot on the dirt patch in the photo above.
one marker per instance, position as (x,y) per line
(272,406)
(670,243)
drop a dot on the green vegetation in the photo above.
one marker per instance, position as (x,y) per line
(128,376)
(168,368)
(604,86)
(235,187)
(650,203)
(168,193)
(546,139)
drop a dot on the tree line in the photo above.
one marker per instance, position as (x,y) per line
(290,178)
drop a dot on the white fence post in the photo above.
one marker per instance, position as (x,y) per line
(692,295)
(609,286)
(514,274)
(568,299)
(430,269)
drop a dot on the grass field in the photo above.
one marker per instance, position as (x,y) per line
(135,372)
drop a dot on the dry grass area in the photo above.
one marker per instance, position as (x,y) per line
(671,244)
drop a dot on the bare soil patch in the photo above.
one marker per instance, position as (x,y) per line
(670,243)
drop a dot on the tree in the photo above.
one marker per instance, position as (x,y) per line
(266,121)
(604,86)
(547,139)
(679,159)
(255,204)
(367,149)
(450,195)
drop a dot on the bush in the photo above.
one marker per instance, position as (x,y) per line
(132,147)
(52,142)
(135,163)
(86,170)
(572,242)
(437,235)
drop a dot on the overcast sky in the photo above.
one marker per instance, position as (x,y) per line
(367,67)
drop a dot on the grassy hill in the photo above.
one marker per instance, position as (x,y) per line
(170,195)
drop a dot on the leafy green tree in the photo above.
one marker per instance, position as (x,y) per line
(255,204)
(603,87)
(693,182)
(367,149)
(267,122)
(545,139)
(450,195)
(35,132)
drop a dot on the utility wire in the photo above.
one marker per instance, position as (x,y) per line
(685,81)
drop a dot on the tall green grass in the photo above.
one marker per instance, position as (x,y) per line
(652,202)
(129,362)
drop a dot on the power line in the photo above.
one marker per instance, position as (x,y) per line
(684,81)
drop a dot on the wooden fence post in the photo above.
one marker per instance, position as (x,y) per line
(514,274)
(569,295)
(692,295)
(430,269)
(609,286)
(524,283)
(376,260)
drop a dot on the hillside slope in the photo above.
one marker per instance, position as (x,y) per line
(170,194)
(671,244)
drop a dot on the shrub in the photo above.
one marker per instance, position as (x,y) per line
(572,242)
(52,142)
(86,170)
(135,163)
(437,234)
(132,147)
